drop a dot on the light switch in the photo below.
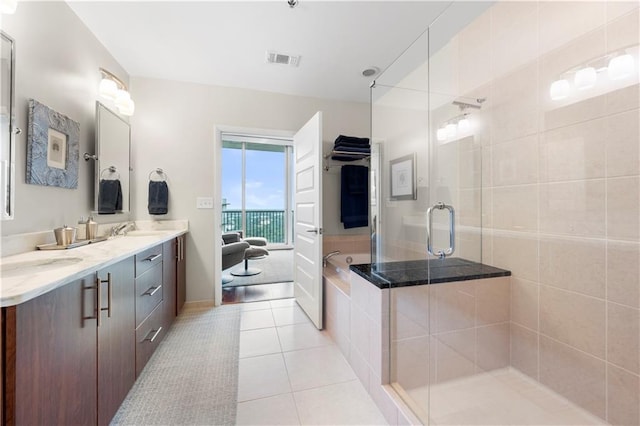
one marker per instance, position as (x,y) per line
(204,203)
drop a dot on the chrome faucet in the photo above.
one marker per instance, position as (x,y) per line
(328,256)
(122,228)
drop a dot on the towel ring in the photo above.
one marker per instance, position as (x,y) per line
(160,172)
(111,169)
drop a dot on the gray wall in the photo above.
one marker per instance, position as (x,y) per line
(57,61)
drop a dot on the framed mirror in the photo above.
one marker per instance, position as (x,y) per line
(7,127)
(113,145)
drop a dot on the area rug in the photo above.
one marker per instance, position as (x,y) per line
(277,267)
(192,377)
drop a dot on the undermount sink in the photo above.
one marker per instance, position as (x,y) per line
(36,266)
(142,233)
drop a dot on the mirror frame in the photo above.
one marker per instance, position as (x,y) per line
(100,165)
(8,193)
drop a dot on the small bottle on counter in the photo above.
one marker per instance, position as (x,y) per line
(91,229)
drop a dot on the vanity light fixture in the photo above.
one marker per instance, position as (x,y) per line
(459,126)
(618,65)
(112,88)
(8,6)
(585,78)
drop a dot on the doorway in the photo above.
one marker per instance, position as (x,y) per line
(256,188)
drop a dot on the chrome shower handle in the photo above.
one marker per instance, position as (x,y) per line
(452,232)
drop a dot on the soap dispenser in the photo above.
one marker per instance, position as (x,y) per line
(91,229)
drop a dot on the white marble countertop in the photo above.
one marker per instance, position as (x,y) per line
(27,275)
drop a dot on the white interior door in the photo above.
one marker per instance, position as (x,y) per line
(308,219)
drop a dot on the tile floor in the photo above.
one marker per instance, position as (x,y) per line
(293,374)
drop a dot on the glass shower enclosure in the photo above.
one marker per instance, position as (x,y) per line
(480,161)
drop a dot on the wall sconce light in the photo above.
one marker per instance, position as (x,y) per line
(8,6)
(618,66)
(113,89)
(459,126)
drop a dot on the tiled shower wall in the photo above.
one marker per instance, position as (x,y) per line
(560,193)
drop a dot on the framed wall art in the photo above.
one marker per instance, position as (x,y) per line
(403,178)
(52,147)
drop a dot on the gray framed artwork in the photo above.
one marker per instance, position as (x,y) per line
(52,147)
(403,178)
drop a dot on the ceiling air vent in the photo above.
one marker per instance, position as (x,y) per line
(282,58)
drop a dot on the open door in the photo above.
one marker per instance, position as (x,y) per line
(307,285)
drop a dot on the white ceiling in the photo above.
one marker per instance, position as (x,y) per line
(224,43)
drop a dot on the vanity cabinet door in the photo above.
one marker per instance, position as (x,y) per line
(50,357)
(116,338)
(169,267)
(181,274)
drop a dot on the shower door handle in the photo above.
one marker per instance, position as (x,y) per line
(452,231)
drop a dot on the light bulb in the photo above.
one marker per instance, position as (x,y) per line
(122,98)
(559,90)
(108,88)
(8,6)
(620,67)
(452,131)
(464,125)
(128,108)
(441,134)
(585,78)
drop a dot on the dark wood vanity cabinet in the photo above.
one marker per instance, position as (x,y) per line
(71,355)
(50,357)
(116,348)
(181,273)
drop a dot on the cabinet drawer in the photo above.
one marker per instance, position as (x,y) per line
(148,259)
(148,336)
(148,292)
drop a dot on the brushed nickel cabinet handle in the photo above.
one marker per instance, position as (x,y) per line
(152,290)
(98,299)
(155,334)
(109,294)
(152,257)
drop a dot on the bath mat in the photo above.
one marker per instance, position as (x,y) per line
(192,377)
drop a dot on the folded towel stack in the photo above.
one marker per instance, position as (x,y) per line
(109,196)
(158,197)
(352,145)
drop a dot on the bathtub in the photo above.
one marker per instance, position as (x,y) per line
(340,263)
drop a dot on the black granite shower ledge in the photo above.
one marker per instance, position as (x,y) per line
(423,272)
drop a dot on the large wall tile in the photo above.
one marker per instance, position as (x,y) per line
(515,162)
(453,306)
(515,105)
(615,9)
(455,354)
(524,350)
(558,23)
(573,152)
(514,35)
(624,99)
(623,208)
(524,303)
(623,335)
(577,376)
(623,144)
(493,347)
(576,265)
(493,301)
(623,31)
(573,208)
(470,208)
(517,253)
(515,208)
(474,50)
(623,273)
(411,364)
(574,319)
(623,397)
